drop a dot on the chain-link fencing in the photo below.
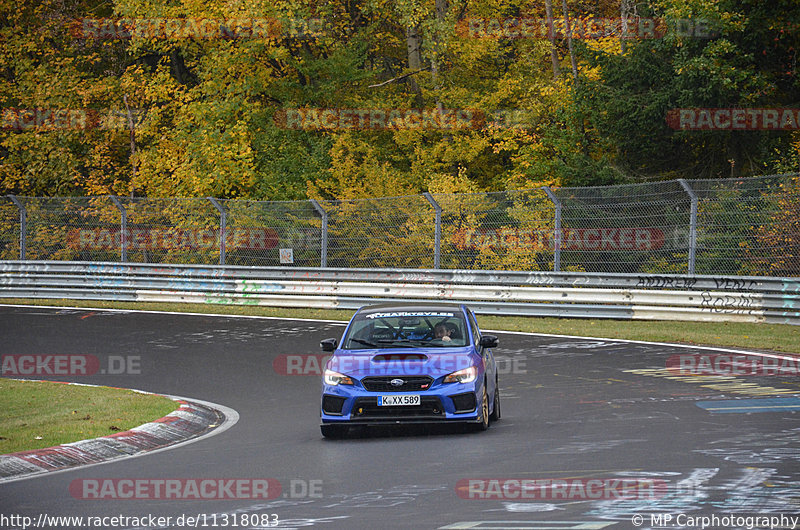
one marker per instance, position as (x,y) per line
(745,226)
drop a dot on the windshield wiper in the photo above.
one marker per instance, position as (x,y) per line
(364,342)
(404,342)
(416,342)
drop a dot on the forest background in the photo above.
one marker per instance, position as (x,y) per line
(203,98)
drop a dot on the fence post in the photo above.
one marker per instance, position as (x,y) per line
(23,225)
(692,224)
(557,239)
(437,243)
(123,228)
(223,217)
(323,251)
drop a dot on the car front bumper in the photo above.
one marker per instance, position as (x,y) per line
(443,403)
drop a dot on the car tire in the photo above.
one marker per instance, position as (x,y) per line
(496,415)
(484,423)
(333,431)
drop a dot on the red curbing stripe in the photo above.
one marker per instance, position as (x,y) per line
(141,440)
(161,433)
(56,457)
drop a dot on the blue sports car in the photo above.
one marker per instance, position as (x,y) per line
(410,363)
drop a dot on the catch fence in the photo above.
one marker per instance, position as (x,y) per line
(747,227)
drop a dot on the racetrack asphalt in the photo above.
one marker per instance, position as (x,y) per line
(573,409)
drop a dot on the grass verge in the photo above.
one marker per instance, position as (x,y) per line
(39,414)
(772,337)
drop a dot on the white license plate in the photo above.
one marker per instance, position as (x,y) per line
(395,401)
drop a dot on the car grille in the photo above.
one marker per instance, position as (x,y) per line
(414,383)
(367,408)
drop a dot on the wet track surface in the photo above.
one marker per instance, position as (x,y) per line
(572,409)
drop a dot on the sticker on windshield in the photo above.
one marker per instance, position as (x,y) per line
(411,314)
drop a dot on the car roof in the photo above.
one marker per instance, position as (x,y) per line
(409,306)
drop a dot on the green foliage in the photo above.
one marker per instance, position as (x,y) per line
(208,109)
(747,64)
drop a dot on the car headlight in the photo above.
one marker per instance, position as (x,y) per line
(335,378)
(467,375)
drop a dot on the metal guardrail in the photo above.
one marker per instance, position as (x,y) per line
(563,294)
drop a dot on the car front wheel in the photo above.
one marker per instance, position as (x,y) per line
(484,423)
(496,406)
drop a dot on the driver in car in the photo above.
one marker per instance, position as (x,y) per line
(441,332)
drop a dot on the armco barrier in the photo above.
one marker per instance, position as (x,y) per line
(583,295)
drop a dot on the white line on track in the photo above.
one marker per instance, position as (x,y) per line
(342,323)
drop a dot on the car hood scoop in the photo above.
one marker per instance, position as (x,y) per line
(434,362)
(394,357)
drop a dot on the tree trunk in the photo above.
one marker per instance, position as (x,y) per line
(569,41)
(548,6)
(624,9)
(413,42)
(441,13)
(585,140)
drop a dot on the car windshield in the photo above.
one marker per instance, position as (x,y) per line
(406,329)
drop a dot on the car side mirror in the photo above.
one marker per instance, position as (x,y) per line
(489,341)
(328,344)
